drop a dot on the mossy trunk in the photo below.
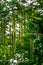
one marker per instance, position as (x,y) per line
(31,51)
(13,37)
(21,31)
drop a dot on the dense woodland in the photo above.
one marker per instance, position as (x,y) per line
(21,32)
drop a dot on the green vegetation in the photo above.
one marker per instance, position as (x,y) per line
(21,32)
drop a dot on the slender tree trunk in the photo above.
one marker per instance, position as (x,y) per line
(31,50)
(3,30)
(21,32)
(13,42)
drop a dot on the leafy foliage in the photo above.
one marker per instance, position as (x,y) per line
(21,32)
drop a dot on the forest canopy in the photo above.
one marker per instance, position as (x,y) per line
(21,32)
